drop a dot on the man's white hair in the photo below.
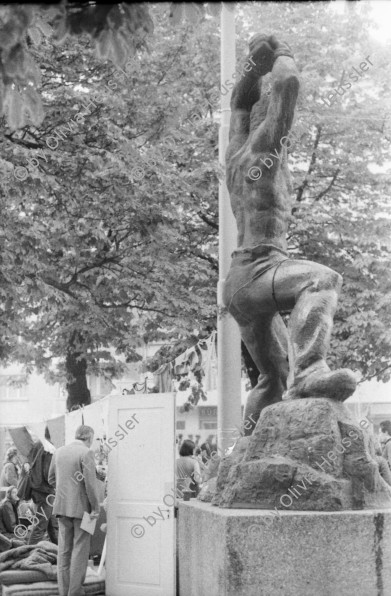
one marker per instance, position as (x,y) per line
(83,432)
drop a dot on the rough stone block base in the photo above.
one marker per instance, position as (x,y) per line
(309,446)
(226,552)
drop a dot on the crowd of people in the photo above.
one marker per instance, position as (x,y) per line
(27,517)
(50,494)
(196,463)
(62,487)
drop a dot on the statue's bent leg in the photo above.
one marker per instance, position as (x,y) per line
(267,341)
(249,300)
(311,291)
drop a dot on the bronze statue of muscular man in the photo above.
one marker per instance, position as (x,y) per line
(263,281)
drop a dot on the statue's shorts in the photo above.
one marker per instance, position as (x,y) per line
(240,287)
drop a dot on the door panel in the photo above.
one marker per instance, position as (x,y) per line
(141,527)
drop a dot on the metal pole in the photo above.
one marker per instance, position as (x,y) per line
(228,336)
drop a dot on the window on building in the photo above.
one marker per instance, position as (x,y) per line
(206,425)
(180,424)
(208,417)
(11,391)
(208,412)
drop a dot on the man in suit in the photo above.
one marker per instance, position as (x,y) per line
(72,471)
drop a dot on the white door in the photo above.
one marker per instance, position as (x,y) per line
(140,515)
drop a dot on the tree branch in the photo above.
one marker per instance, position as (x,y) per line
(374,374)
(209,259)
(311,167)
(208,221)
(60,287)
(102,262)
(326,190)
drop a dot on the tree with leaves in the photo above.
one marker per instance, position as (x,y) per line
(109,235)
(102,263)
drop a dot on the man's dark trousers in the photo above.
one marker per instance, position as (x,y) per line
(73,552)
(46,521)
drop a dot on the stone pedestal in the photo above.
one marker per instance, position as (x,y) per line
(234,552)
(305,454)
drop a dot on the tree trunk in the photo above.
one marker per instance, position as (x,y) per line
(76,368)
(251,367)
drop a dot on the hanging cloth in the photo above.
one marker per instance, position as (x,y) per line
(38,429)
(186,362)
(180,364)
(210,364)
(157,377)
(56,428)
(22,439)
(165,379)
(72,422)
(192,358)
(104,414)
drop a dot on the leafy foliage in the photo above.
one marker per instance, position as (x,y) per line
(116,32)
(124,259)
(110,216)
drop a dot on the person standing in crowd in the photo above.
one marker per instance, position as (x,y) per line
(211,444)
(10,473)
(40,460)
(199,458)
(9,518)
(385,440)
(72,472)
(188,471)
(209,441)
(203,455)
(205,452)
(384,469)
(178,441)
(26,511)
(374,449)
